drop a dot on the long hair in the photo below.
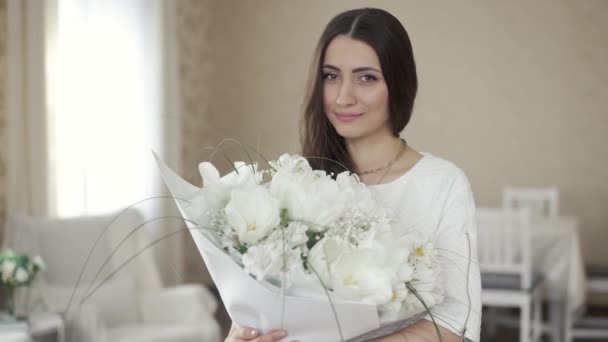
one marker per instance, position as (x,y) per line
(321,144)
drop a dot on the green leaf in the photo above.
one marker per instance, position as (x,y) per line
(242,249)
(313,238)
(285,218)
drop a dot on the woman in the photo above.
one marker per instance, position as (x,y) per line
(361,95)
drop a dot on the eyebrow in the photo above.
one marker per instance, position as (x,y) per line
(360,69)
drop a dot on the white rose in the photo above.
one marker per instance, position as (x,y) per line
(253,213)
(324,254)
(356,275)
(21,276)
(358,195)
(314,198)
(8,268)
(279,252)
(37,260)
(291,164)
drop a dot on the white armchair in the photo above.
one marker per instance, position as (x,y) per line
(132,305)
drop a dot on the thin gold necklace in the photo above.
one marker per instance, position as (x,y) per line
(390,163)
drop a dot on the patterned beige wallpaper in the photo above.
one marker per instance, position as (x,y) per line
(520,101)
(194,66)
(3,138)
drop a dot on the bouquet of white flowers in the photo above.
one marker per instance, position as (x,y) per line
(17,270)
(320,245)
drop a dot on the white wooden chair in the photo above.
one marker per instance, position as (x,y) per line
(540,201)
(505,259)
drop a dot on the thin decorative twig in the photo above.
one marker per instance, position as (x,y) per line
(411,288)
(101,235)
(126,262)
(331,302)
(133,231)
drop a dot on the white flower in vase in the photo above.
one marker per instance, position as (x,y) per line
(8,269)
(38,262)
(21,275)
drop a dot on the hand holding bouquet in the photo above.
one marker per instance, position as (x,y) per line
(312,242)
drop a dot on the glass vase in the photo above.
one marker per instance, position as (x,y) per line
(10,300)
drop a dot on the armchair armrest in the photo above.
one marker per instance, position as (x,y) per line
(178,304)
(86,324)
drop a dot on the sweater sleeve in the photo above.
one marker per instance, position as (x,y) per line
(456,242)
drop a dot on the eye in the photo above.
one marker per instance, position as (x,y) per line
(329,76)
(368,78)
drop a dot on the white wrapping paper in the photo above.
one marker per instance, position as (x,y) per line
(250,303)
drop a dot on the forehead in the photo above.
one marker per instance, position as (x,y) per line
(347,53)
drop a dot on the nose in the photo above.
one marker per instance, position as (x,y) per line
(345,95)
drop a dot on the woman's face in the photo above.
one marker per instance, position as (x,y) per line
(355,95)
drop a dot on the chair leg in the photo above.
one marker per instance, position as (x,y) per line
(524,323)
(568,326)
(491,320)
(537,318)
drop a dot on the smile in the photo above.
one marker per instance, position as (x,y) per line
(347,117)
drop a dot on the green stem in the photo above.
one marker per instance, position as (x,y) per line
(10,300)
(331,302)
(411,288)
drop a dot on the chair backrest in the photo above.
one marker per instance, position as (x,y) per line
(540,201)
(504,243)
(64,245)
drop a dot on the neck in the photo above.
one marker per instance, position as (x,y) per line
(374,151)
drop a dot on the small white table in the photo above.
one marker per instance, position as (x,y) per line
(15,337)
(14,331)
(37,326)
(557,256)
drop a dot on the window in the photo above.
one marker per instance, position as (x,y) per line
(106,97)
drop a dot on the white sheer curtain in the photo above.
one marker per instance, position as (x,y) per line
(110,111)
(90,95)
(108,104)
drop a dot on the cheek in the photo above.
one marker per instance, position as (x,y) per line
(328,97)
(376,99)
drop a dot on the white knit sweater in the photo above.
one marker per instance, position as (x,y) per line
(435,198)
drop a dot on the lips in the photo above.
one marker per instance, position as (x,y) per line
(347,117)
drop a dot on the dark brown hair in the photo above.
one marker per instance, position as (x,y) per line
(385,34)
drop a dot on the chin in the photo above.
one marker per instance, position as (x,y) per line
(350,132)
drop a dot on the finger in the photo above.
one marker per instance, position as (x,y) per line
(246,333)
(272,336)
(233,328)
